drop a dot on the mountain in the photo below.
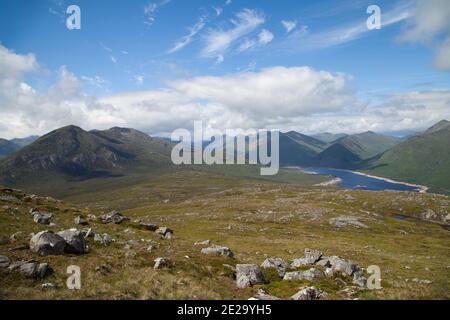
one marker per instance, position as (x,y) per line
(7,147)
(422,159)
(299,149)
(328,137)
(22,142)
(350,150)
(72,153)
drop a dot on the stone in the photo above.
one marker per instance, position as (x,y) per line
(31,269)
(162,262)
(215,249)
(149,226)
(114,217)
(48,285)
(75,243)
(165,232)
(341,265)
(80,220)
(312,256)
(88,233)
(47,243)
(262,295)
(11,199)
(4,261)
(300,262)
(104,239)
(203,243)
(151,248)
(345,221)
(277,263)
(42,217)
(422,281)
(247,275)
(312,275)
(307,293)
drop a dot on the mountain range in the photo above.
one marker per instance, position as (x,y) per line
(75,154)
(8,147)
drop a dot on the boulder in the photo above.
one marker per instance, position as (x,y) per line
(262,295)
(247,275)
(11,199)
(300,262)
(42,217)
(359,279)
(277,263)
(307,293)
(114,217)
(47,243)
(215,249)
(104,239)
(80,220)
(165,232)
(31,269)
(4,261)
(88,233)
(75,243)
(342,265)
(149,226)
(312,275)
(203,243)
(162,262)
(312,256)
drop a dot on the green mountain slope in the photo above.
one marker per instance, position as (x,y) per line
(329,137)
(7,147)
(422,159)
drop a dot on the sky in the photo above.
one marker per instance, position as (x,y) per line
(309,66)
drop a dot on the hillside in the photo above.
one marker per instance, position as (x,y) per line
(422,159)
(74,154)
(7,147)
(328,137)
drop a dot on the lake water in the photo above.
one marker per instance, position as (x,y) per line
(354,181)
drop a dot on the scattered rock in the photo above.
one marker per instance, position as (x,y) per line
(104,239)
(80,220)
(151,248)
(31,269)
(247,275)
(203,243)
(307,293)
(130,254)
(422,281)
(88,233)
(149,226)
(215,249)
(48,285)
(359,279)
(42,217)
(312,275)
(344,221)
(161,262)
(341,265)
(312,256)
(165,232)
(300,262)
(279,264)
(11,199)
(262,295)
(4,261)
(113,217)
(75,243)
(47,243)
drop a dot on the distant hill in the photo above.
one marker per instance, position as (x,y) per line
(350,150)
(22,142)
(299,149)
(72,153)
(7,147)
(422,159)
(328,137)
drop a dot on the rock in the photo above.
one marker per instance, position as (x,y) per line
(151,248)
(262,295)
(329,272)
(422,281)
(247,275)
(359,279)
(429,215)
(312,256)
(42,217)
(312,274)
(91,217)
(344,221)
(165,232)
(88,233)
(47,243)
(203,243)
(31,269)
(215,249)
(11,199)
(15,236)
(74,241)
(161,262)
(149,226)
(113,217)
(104,239)
(300,262)
(307,293)
(341,265)
(279,264)
(324,261)
(80,220)
(48,285)
(4,261)
(130,254)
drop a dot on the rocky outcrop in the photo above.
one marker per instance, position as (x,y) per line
(277,263)
(31,269)
(247,275)
(74,239)
(312,275)
(346,221)
(219,250)
(47,243)
(307,293)
(104,239)
(114,217)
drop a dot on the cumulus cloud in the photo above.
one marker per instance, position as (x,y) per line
(218,41)
(431,25)
(296,98)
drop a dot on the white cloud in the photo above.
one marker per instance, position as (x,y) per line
(113,59)
(263,38)
(289,25)
(431,24)
(217,42)
(296,98)
(196,28)
(150,10)
(95,81)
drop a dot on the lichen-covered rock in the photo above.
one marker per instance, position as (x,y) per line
(307,293)
(312,256)
(104,239)
(75,243)
(114,217)
(42,217)
(219,250)
(277,263)
(312,274)
(247,275)
(342,265)
(47,243)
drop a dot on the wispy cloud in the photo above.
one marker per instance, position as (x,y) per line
(193,31)
(150,10)
(289,25)
(263,38)
(218,41)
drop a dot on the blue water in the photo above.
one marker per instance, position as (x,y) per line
(351,180)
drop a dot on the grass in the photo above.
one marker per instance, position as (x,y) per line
(256,218)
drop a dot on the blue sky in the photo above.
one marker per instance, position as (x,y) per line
(138,46)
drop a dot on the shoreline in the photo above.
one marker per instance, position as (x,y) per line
(421,188)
